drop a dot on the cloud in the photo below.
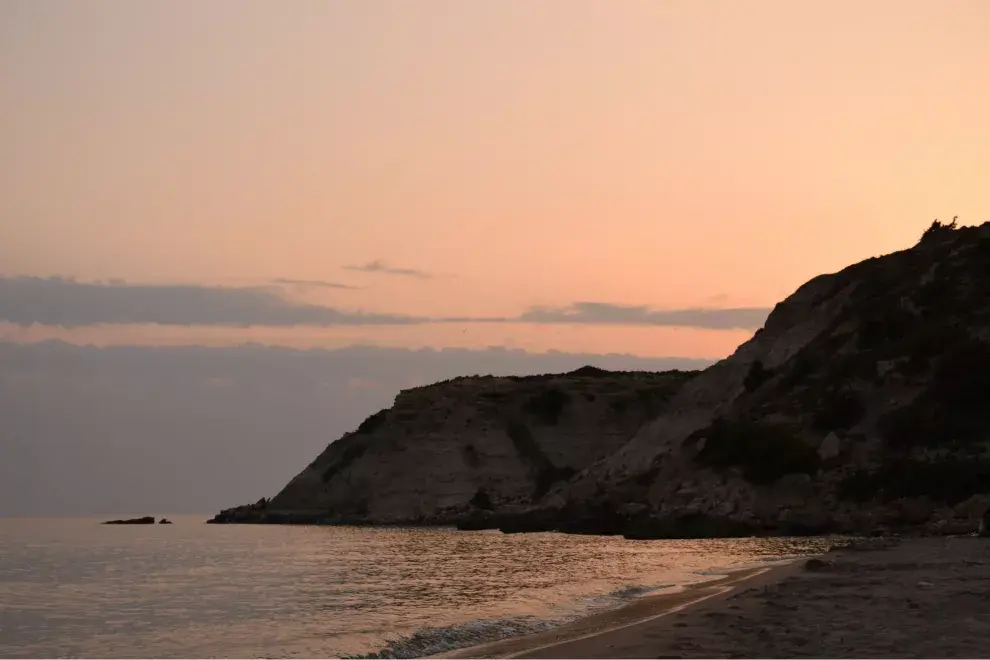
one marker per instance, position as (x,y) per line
(379,266)
(320,284)
(738,318)
(65,302)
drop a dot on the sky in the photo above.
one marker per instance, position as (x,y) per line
(477,160)
(229,230)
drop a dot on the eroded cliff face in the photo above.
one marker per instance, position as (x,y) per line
(470,443)
(862,405)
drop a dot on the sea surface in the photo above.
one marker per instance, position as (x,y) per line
(73,587)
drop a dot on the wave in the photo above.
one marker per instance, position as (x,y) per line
(625,594)
(431,641)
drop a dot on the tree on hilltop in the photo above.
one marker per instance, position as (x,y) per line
(937,229)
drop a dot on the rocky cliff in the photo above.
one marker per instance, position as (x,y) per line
(473,443)
(860,406)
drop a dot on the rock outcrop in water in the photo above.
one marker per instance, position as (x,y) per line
(145,520)
(860,407)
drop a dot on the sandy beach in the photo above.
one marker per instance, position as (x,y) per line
(877,598)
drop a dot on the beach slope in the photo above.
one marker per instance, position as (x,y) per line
(925,598)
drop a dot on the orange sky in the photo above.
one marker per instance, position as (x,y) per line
(669,154)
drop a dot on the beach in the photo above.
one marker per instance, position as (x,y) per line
(875,598)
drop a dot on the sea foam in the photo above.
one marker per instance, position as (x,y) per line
(431,641)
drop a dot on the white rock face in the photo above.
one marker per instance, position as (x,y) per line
(830,447)
(440,445)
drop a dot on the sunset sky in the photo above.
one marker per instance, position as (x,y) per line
(200,167)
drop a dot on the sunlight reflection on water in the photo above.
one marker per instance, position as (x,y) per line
(71,587)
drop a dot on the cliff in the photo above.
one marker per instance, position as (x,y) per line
(444,450)
(860,407)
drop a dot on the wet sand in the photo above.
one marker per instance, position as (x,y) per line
(877,599)
(640,611)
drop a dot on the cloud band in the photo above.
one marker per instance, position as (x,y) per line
(68,303)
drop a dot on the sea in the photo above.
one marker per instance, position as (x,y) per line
(71,587)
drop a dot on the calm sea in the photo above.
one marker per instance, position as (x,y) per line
(73,587)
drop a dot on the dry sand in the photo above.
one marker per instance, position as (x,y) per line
(925,598)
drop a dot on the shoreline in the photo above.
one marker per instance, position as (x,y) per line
(877,598)
(641,611)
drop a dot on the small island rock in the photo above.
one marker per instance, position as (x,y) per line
(146,520)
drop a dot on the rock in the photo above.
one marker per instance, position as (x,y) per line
(793,489)
(528,519)
(973,507)
(817,565)
(953,527)
(984,528)
(633,509)
(478,520)
(830,447)
(943,514)
(806,522)
(913,510)
(146,520)
(863,521)
(885,366)
(688,526)
(164,521)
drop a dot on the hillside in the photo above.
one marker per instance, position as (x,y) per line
(860,406)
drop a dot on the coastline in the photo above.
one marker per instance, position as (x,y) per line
(875,598)
(641,611)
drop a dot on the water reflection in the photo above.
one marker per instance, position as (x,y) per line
(73,587)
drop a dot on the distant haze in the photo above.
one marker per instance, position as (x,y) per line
(172,430)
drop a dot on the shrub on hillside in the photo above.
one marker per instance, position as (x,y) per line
(756,376)
(946,481)
(937,230)
(955,408)
(839,409)
(764,452)
(883,325)
(547,405)
(801,368)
